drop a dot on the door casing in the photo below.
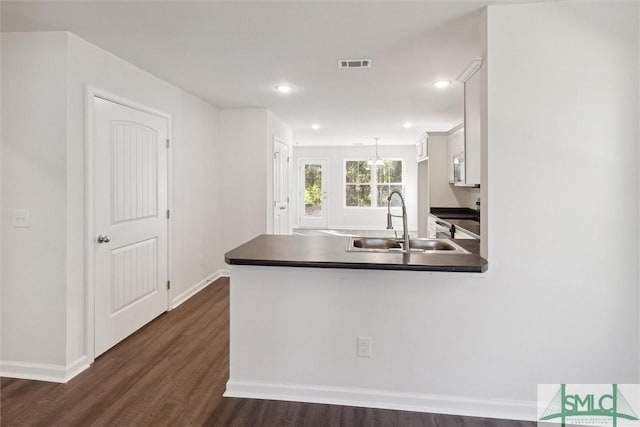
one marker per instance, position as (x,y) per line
(276,142)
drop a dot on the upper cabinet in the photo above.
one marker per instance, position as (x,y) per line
(455,152)
(422,147)
(465,163)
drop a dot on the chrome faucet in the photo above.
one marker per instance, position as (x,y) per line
(405,229)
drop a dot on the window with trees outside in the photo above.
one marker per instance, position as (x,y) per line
(366,188)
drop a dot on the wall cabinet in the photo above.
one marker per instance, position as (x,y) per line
(472,128)
(422,148)
(465,147)
(455,149)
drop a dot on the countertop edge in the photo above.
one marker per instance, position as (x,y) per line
(358,266)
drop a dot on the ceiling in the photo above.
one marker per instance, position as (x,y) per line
(232,54)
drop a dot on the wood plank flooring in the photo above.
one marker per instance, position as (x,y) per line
(173,372)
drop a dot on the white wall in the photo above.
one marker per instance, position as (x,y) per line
(244,197)
(560,301)
(562,156)
(339,215)
(246,144)
(34,138)
(563,150)
(47,326)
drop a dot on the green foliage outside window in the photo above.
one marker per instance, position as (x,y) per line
(389,178)
(312,184)
(364,188)
(358,183)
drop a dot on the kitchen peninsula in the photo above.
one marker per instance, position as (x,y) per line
(300,304)
(331,252)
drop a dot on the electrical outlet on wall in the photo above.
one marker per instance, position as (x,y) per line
(21,218)
(364,346)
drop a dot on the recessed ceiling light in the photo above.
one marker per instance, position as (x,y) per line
(406,125)
(441,84)
(284,88)
(315,126)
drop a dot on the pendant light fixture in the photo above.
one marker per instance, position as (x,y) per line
(375,160)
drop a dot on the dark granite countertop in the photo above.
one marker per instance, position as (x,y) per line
(455,213)
(330,252)
(467,224)
(465,218)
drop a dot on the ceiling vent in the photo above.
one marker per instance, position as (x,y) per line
(354,63)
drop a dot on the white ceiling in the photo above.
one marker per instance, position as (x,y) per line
(233,54)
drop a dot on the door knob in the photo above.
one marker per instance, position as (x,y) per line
(104,238)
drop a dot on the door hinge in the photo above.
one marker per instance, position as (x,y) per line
(288,159)
(168,284)
(168,214)
(167,142)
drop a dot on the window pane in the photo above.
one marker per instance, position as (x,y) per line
(357,172)
(358,195)
(364,172)
(313,190)
(391,171)
(351,171)
(383,193)
(395,171)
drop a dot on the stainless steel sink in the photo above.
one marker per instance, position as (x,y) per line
(383,244)
(374,243)
(433,245)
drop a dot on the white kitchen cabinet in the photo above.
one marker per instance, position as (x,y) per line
(465,162)
(422,148)
(455,148)
(472,128)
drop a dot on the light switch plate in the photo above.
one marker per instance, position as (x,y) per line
(21,218)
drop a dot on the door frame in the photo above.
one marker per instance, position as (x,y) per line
(274,141)
(300,185)
(89,249)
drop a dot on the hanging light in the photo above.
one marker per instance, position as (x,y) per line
(375,160)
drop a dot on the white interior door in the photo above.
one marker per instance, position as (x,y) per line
(313,193)
(280,187)
(130,220)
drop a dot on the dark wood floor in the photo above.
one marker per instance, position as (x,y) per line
(173,372)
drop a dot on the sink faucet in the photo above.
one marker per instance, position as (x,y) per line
(405,229)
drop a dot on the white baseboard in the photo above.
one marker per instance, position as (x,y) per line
(385,399)
(198,287)
(43,371)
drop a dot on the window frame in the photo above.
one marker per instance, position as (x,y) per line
(373,183)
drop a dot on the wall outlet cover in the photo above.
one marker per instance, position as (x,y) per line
(21,218)
(364,346)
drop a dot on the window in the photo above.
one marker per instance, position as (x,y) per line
(389,179)
(358,183)
(366,189)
